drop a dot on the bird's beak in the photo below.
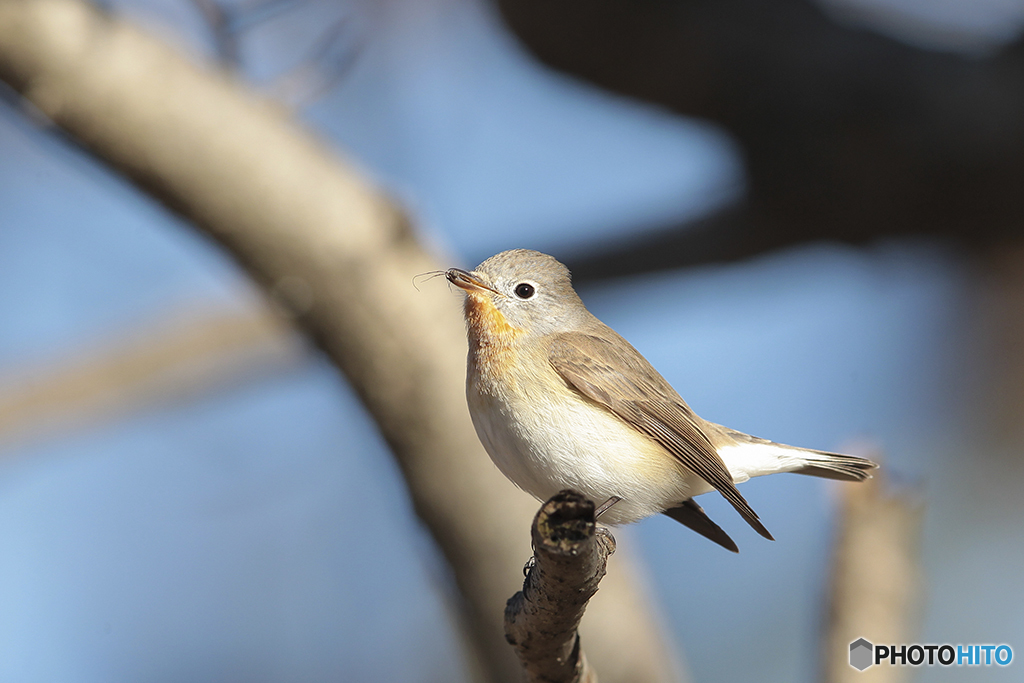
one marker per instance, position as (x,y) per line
(470,282)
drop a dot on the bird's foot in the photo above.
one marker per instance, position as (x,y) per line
(606,534)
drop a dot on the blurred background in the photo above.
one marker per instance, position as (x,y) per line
(805,214)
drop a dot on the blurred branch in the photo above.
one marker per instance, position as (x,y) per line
(180,357)
(217,17)
(227,22)
(846,134)
(876,586)
(328,60)
(570,560)
(304,222)
(997,330)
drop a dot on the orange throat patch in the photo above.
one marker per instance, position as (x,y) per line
(492,339)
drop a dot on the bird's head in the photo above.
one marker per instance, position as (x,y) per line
(529,291)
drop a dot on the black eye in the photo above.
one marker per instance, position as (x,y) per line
(524,290)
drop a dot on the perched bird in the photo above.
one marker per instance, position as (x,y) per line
(560,400)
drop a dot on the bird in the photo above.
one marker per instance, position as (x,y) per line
(560,401)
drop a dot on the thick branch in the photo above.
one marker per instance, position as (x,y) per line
(305,225)
(541,620)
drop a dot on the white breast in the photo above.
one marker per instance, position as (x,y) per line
(545,437)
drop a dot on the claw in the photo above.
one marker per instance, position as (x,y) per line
(605,506)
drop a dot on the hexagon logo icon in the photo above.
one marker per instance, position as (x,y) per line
(862,654)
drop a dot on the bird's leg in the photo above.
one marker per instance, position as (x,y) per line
(605,506)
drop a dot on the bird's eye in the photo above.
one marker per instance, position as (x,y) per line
(524,290)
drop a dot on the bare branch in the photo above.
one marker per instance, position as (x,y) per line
(329,60)
(251,12)
(218,18)
(186,353)
(541,620)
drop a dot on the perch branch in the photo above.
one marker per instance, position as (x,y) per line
(541,620)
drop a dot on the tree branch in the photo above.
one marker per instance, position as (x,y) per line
(186,353)
(541,620)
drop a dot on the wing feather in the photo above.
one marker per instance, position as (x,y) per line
(612,373)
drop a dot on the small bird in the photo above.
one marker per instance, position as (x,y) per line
(561,401)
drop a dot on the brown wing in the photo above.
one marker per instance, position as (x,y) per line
(615,375)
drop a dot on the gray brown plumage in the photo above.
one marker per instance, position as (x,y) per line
(560,400)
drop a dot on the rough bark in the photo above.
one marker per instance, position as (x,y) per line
(305,225)
(541,620)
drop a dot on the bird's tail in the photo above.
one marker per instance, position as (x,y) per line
(807,461)
(835,466)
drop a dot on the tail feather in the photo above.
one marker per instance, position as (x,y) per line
(836,466)
(782,458)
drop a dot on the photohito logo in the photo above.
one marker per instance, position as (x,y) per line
(863,654)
